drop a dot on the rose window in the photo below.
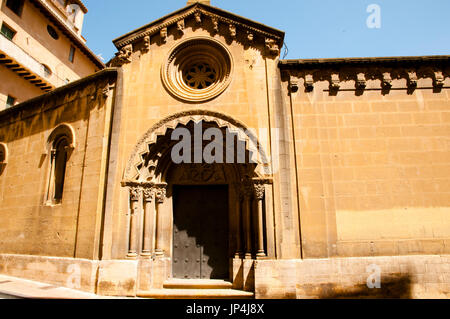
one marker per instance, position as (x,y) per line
(197,70)
(199,76)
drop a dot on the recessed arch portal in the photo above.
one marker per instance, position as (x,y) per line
(157,186)
(243,133)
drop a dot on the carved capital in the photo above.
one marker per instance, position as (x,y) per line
(160,193)
(259,191)
(148,194)
(135,194)
(247,190)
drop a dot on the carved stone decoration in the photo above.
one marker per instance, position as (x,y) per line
(247,190)
(215,23)
(438,79)
(259,191)
(309,83)
(147,43)
(105,91)
(387,80)
(163,34)
(148,195)
(135,194)
(198,17)
(250,36)
(124,55)
(272,47)
(198,69)
(361,81)
(160,193)
(202,173)
(180,26)
(293,85)
(412,79)
(335,82)
(233,32)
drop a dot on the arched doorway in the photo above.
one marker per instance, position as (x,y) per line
(200,215)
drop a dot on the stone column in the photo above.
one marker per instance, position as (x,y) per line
(246,212)
(238,253)
(160,196)
(149,222)
(259,196)
(134,215)
(51,181)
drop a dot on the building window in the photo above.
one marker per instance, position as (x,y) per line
(72,54)
(7,32)
(15,6)
(61,144)
(10,101)
(52,32)
(198,70)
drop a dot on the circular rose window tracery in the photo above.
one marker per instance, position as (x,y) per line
(199,76)
(197,70)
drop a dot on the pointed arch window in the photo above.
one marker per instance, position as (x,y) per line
(60,144)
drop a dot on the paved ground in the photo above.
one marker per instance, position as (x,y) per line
(17,288)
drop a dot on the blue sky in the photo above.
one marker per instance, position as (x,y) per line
(314,28)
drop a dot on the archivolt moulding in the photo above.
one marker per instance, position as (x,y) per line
(183,118)
(62,130)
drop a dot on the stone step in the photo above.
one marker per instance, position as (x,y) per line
(195,294)
(197,284)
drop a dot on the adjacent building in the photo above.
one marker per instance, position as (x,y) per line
(41,48)
(333,178)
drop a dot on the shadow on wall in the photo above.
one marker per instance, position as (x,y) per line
(391,288)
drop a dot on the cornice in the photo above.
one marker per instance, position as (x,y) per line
(207,11)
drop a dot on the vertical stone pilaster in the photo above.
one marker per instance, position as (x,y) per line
(259,196)
(149,222)
(135,194)
(160,197)
(247,221)
(239,198)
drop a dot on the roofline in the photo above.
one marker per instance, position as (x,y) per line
(82,6)
(60,90)
(369,60)
(265,28)
(68,33)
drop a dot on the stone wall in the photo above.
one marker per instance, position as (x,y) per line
(72,228)
(372,156)
(400,277)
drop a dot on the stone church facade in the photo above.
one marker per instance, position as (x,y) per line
(338,178)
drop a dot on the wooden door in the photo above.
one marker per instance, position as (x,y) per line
(200,237)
